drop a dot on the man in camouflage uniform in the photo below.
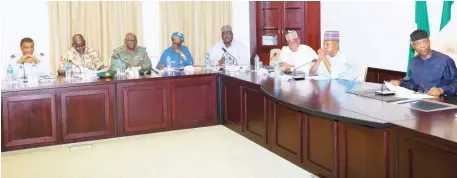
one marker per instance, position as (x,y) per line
(131,55)
(81,56)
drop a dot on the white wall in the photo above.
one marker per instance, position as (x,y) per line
(376,33)
(21,21)
(240,22)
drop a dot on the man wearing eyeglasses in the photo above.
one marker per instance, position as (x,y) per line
(81,56)
(430,70)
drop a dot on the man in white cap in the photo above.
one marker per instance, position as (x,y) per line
(296,56)
(235,48)
(331,62)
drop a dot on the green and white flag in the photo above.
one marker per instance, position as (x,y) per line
(443,38)
(421,19)
(446,14)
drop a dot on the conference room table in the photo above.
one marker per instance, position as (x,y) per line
(315,124)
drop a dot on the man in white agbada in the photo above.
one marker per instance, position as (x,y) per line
(296,56)
(234,47)
(332,63)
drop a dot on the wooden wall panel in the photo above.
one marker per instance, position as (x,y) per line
(320,145)
(87,112)
(233,117)
(142,107)
(420,157)
(193,102)
(29,119)
(255,115)
(364,152)
(287,137)
(312,25)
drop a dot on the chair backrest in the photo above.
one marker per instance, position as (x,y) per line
(377,75)
(272,52)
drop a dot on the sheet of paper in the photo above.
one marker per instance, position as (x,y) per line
(93,72)
(402,92)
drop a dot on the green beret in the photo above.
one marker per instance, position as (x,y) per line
(107,74)
(144,71)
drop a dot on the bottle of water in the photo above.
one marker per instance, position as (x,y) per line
(256,63)
(207,61)
(68,70)
(9,73)
(277,69)
(119,66)
(169,66)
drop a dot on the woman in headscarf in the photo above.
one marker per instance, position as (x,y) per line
(177,52)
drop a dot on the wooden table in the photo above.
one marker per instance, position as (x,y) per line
(314,124)
(72,111)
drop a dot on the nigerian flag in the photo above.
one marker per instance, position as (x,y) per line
(446,14)
(421,19)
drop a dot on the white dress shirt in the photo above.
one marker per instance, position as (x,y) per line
(31,69)
(301,59)
(236,49)
(340,68)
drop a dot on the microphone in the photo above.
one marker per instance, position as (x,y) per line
(23,69)
(234,59)
(79,68)
(300,66)
(294,75)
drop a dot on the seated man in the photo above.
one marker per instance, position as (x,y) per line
(332,62)
(177,53)
(430,70)
(237,49)
(81,56)
(131,55)
(296,56)
(28,64)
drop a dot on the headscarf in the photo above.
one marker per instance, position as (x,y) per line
(177,35)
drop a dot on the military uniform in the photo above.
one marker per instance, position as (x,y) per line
(31,69)
(139,57)
(90,59)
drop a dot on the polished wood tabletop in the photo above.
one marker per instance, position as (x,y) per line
(61,81)
(328,98)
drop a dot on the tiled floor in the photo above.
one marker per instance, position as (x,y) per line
(210,152)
